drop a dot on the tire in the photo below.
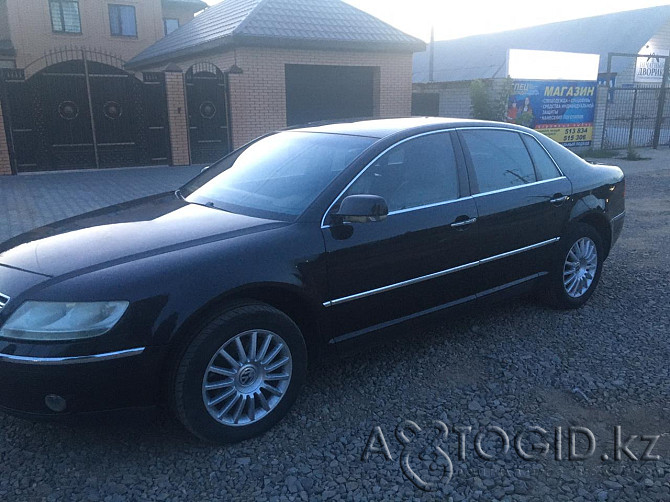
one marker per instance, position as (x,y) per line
(205,373)
(581,239)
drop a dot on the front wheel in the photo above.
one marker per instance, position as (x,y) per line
(576,268)
(240,374)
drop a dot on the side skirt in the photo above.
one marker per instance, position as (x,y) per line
(504,291)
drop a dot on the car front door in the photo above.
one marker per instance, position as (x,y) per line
(523,202)
(419,258)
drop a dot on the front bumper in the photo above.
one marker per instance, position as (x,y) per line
(90,383)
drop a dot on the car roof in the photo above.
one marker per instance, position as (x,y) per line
(381,128)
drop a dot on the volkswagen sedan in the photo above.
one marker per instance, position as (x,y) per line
(212,299)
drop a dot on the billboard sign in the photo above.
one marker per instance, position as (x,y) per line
(560,109)
(649,68)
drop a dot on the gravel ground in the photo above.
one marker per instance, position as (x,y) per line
(515,366)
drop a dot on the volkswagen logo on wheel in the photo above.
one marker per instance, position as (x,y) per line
(247,375)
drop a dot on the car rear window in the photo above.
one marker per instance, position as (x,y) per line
(544,166)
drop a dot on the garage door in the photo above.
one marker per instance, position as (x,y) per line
(315,93)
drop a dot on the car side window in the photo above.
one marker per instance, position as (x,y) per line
(499,158)
(415,173)
(544,166)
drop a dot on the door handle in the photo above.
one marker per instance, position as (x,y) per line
(558,199)
(464,223)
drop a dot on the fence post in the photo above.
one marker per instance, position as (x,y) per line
(661,104)
(632,121)
(5,160)
(5,164)
(607,101)
(602,95)
(175,92)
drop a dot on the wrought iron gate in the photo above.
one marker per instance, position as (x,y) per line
(208,120)
(637,114)
(82,110)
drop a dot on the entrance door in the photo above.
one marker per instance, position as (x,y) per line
(207,113)
(523,204)
(420,258)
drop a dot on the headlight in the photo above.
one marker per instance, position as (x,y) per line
(62,321)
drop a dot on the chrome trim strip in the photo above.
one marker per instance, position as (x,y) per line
(3,300)
(517,251)
(50,361)
(390,287)
(618,216)
(436,309)
(507,189)
(323,219)
(435,275)
(426,206)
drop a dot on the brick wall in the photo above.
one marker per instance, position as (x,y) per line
(32,34)
(455,100)
(258,95)
(5,167)
(177,117)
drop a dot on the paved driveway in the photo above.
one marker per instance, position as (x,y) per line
(32,200)
(514,366)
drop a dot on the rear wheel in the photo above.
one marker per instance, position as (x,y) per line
(240,374)
(577,266)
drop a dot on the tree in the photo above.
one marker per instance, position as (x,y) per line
(489,98)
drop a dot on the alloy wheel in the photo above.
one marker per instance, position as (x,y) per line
(247,377)
(580,267)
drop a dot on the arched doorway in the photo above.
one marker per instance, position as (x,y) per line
(208,120)
(86,112)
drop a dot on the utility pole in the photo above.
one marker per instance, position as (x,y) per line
(431,54)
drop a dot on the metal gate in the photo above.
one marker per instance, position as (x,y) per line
(208,120)
(637,113)
(82,110)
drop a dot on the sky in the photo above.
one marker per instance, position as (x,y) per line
(456,18)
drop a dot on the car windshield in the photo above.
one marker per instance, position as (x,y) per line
(278,176)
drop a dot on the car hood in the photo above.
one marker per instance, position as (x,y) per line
(132,230)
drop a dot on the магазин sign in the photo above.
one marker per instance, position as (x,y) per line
(560,109)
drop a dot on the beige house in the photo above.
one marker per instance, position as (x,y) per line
(240,69)
(30,28)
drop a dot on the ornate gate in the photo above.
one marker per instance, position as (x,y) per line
(207,98)
(85,112)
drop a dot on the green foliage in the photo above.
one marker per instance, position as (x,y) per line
(489,103)
(633,154)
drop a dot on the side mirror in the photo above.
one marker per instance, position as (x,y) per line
(362,209)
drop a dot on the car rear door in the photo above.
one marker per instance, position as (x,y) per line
(416,260)
(523,202)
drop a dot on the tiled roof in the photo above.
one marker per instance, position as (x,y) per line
(485,56)
(294,23)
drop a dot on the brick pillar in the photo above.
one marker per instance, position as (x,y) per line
(177,115)
(5,166)
(599,116)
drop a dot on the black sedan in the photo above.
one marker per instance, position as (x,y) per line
(211,298)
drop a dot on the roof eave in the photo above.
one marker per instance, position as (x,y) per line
(230,41)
